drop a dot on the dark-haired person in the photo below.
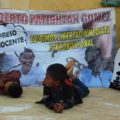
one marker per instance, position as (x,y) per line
(59,92)
(10,84)
(30,75)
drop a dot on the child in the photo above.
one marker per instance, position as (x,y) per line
(10,84)
(59,93)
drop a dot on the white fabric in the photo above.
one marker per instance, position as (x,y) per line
(32,78)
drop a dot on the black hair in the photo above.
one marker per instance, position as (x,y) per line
(57,72)
(15,90)
(27,50)
(92,53)
(94,59)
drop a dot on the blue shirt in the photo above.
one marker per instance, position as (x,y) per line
(98,81)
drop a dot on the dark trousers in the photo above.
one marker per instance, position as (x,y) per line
(81,89)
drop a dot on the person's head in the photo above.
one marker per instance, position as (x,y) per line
(92,54)
(93,58)
(55,75)
(13,89)
(26,59)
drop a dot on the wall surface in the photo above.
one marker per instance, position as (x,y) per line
(59,5)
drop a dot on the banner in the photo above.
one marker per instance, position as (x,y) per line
(30,41)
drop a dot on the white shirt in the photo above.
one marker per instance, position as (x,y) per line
(32,78)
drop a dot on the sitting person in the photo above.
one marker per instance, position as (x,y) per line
(59,92)
(10,84)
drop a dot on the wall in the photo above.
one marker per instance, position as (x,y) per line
(59,5)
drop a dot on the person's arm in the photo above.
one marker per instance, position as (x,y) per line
(68,96)
(68,104)
(47,100)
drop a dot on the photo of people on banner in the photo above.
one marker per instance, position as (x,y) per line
(83,40)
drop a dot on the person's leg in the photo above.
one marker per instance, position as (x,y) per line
(81,88)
